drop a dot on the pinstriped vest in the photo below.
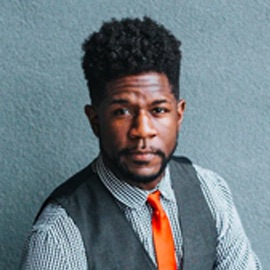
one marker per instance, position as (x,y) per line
(109,240)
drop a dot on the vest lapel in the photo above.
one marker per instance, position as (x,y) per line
(196,221)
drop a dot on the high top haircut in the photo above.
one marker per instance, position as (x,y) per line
(129,47)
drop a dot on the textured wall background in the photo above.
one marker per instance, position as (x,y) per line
(45,137)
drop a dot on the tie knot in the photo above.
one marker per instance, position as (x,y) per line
(154,200)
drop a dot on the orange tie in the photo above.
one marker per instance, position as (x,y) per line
(162,234)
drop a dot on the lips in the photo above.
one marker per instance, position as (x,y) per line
(141,156)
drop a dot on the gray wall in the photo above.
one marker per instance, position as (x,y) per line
(45,137)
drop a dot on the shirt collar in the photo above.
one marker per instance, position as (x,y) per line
(127,194)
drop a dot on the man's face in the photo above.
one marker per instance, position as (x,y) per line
(137,124)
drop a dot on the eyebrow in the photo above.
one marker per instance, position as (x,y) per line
(160,101)
(119,101)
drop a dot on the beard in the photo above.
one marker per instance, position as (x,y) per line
(121,170)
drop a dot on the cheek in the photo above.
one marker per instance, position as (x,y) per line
(168,133)
(168,128)
(112,135)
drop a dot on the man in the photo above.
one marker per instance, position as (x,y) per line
(136,206)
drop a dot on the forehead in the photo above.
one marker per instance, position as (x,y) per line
(149,85)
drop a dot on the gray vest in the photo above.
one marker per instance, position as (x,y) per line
(109,240)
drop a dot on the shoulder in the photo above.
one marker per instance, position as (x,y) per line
(54,240)
(211,183)
(211,180)
(232,241)
(219,198)
(55,226)
(215,190)
(51,220)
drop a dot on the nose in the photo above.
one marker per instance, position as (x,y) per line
(142,127)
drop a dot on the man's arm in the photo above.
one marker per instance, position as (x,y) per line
(55,243)
(234,251)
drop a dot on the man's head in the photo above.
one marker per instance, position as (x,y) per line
(132,70)
(128,47)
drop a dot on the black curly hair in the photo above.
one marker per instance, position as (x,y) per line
(129,47)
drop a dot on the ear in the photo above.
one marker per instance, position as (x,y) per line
(92,115)
(181,106)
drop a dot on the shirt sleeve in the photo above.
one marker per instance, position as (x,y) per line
(234,250)
(54,243)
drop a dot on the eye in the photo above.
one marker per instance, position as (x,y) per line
(121,111)
(159,110)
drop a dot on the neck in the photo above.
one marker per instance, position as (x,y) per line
(144,186)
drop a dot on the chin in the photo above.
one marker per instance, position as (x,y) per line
(142,177)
